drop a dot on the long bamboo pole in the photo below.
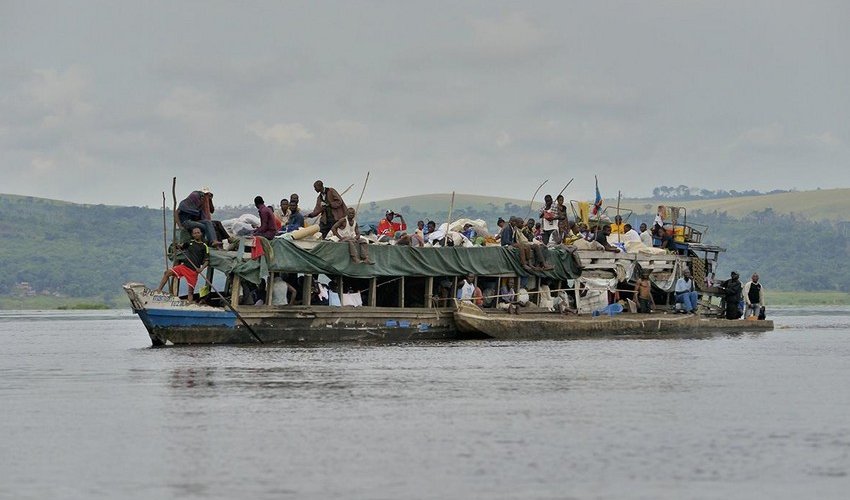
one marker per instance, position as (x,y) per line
(565,187)
(346,190)
(164,233)
(531,204)
(175,284)
(449,221)
(361,193)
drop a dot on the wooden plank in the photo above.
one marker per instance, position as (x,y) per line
(235,290)
(429,290)
(307,290)
(373,292)
(401,292)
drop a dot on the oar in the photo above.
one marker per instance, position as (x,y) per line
(226,303)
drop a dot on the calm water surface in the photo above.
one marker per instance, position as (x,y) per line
(90,411)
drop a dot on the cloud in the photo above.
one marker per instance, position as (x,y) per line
(767,135)
(288,135)
(188,105)
(345,130)
(510,35)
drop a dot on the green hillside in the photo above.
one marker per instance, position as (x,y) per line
(67,251)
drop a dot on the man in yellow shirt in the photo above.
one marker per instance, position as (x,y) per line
(618,226)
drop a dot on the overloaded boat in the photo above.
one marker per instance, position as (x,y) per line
(410,294)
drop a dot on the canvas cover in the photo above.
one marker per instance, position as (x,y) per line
(332,259)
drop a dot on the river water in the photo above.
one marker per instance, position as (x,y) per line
(89,410)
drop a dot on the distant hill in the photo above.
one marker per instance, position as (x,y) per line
(90,250)
(822,204)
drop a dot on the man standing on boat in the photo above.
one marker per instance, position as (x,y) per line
(197,257)
(549,218)
(732,291)
(347,231)
(190,213)
(753,297)
(685,293)
(329,205)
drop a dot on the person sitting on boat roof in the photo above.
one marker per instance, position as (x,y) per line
(629,234)
(528,230)
(346,230)
(512,236)
(602,238)
(664,238)
(296,218)
(267,227)
(282,214)
(190,213)
(645,235)
(329,205)
(387,228)
(196,255)
(618,227)
(686,293)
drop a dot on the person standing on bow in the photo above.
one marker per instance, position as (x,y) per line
(753,297)
(329,205)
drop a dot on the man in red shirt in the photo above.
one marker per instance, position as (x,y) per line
(387,228)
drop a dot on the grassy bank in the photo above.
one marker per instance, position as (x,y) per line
(782,298)
(64,303)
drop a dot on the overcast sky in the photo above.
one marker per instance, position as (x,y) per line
(103,102)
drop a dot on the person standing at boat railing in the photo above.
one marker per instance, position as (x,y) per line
(346,230)
(196,253)
(753,298)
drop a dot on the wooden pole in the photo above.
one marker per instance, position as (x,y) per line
(565,187)
(531,204)
(164,234)
(618,203)
(174,209)
(449,221)
(361,193)
(174,287)
(346,190)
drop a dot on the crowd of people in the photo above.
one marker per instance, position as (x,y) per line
(330,218)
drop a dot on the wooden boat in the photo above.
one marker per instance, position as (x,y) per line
(542,324)
(408,294)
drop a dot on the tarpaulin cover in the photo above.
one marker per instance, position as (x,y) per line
(332,259)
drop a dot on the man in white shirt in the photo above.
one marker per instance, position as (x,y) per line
(629,235)
(467,289)
(645,235)
(685,293)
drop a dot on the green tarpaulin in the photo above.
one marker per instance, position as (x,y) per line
(332,259)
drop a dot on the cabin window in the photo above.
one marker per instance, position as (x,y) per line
(388,292)
(414,291)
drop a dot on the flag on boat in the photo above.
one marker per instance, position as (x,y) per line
(597,205)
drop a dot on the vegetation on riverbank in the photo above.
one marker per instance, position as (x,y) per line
(783,298)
